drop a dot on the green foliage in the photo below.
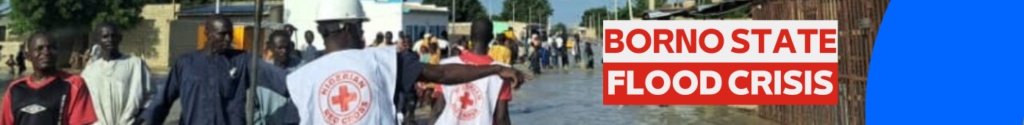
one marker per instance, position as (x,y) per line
(594,16)
(705,1)
(559,27)
(537,11)
(36,15)
(465,10)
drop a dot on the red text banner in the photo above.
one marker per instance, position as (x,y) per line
(787,83)
(720,62)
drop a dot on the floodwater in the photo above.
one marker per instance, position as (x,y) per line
(574,97)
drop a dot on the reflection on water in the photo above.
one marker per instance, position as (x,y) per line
(573,97)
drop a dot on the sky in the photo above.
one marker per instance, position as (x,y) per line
(566,11)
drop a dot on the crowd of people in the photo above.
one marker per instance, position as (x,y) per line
(349,81)
(558,51)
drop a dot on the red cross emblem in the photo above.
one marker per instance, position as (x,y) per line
(466,101)
(464,106)
(343,98)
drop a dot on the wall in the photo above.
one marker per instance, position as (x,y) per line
(184,33)
(384,16)
(302,15)
(150,39)
(416,22)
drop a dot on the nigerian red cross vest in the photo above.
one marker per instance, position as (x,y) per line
(471,103)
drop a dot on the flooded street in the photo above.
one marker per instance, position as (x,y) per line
(574,97)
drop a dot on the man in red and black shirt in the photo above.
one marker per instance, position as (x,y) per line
(48,96)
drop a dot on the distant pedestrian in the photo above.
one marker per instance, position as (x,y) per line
(273,105)
(403,43)
(388,37)
(513,44)
(11,64)
(535,54)
(279,49)
(499,51)
(378,41)
(310,52)
(20,58)
(290,29)
(590,56)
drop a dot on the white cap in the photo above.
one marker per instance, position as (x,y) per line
(340,10)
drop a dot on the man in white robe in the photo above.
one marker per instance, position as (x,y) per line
(118,82)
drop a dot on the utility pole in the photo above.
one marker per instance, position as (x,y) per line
(650,4)
(616,9)
(217,8)
(250,103)
(453,10)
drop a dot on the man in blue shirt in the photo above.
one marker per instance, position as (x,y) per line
(211,82)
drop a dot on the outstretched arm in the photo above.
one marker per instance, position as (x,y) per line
(413,71)
(454,73)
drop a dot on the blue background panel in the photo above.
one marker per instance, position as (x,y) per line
(948,62)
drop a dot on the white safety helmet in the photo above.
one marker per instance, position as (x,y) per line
(340,10)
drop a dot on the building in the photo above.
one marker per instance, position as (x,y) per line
(520,28)
(691,10)
(384,15)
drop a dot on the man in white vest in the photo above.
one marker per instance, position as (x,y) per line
(482,101)
(353,85)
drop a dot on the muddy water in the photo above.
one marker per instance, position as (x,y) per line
(573,97)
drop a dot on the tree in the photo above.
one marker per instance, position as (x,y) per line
(537,11)
(465,10)
(36,15)
(559,27)
(638,6)
(498,18)
(594,16)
